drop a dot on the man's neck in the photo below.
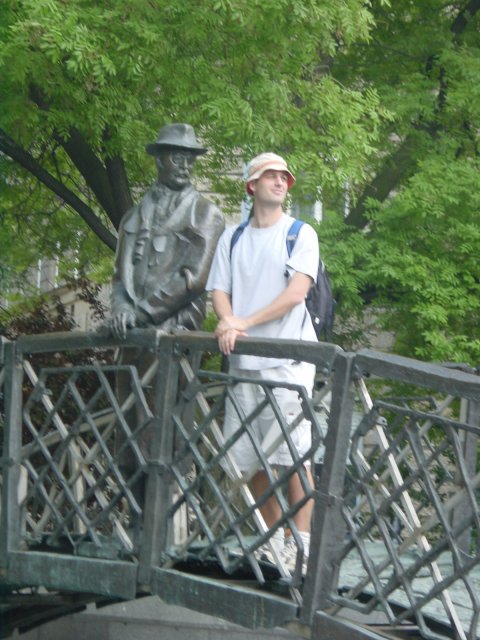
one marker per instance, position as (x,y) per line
(264,216)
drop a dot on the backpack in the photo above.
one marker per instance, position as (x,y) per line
(320,302)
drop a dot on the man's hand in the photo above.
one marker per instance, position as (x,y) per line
(120,322)
(227,340)
(227,332)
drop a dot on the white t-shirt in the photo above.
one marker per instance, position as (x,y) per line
(255,276)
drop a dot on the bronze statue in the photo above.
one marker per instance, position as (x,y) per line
(166,243)
(165,246)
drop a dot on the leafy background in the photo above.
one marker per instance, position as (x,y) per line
(374,104)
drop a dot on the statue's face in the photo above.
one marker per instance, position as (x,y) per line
(175,167)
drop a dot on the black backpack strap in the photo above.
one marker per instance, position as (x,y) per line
(236,235)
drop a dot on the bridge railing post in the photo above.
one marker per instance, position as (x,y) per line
(159,485)
(470,412)
(327,521)
(11,458)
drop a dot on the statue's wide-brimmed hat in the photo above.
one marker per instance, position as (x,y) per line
(176,136)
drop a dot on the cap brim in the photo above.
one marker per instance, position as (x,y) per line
(290,181)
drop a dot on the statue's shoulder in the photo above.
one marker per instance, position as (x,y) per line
(208,209)
(132,220)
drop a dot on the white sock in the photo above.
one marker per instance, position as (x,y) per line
(305,538)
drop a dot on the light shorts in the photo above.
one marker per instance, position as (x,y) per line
(250,395)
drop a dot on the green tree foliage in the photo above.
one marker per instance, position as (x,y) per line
(416,260)
(87,84)
(373,102)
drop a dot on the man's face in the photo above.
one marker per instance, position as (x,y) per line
(271,187)
(174,167)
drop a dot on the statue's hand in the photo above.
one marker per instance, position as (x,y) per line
(120,322)
(187,274)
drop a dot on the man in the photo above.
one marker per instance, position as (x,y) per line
(258,290)
(164,252)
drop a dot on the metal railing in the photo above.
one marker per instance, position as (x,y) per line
(87,506)
(407,501)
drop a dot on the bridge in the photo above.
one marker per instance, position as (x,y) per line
(395,545)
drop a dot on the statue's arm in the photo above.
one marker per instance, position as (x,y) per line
(123,312)
(196,275)
(120,299)
(123,315)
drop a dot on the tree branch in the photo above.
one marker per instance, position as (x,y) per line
(88,164)
(464,17)
(393,171)
(401,162)
(10,148)
(117,177)
(93,171)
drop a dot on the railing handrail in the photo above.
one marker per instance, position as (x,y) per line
(378,363)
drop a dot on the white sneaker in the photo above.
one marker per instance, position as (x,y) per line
(290,552)
(265,554)
(277,541)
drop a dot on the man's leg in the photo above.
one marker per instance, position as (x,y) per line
(271,513)
(303,517)
(270,510)
(290,405)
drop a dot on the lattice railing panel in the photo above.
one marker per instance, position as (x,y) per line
(223,518)
(76,491)
(411,508)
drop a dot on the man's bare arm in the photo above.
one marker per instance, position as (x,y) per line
(230,326)
(294,294)
(222,306)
